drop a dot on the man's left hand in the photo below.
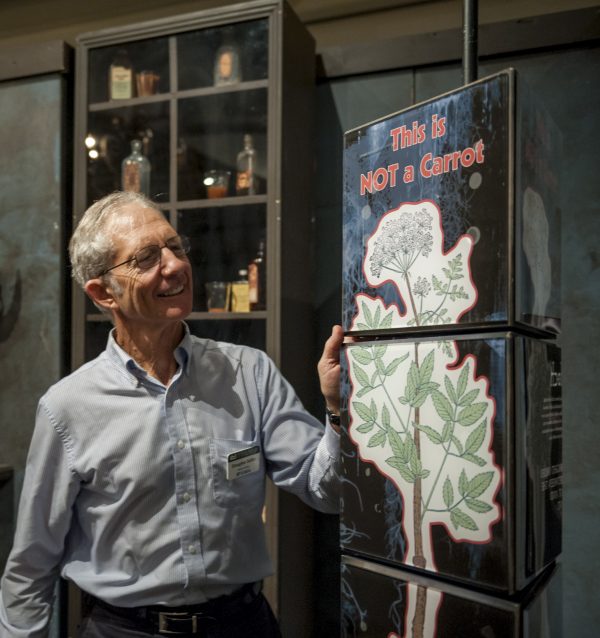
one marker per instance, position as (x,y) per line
(329,369)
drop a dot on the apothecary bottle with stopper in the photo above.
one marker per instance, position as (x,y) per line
(135,171)
(245,183)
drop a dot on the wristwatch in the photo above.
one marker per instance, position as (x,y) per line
(334,419)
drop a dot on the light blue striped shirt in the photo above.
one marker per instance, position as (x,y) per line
(130,490)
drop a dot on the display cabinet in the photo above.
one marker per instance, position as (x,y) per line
(223,93)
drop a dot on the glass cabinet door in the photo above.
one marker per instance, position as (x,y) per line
(184,119)
(128,101)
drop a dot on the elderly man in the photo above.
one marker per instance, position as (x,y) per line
(146,475)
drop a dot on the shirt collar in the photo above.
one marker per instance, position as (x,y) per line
(182,354)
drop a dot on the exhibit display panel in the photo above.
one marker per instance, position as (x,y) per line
(451,216)
(452,457)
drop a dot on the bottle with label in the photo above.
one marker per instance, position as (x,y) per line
(240,299)
(245,183)
(257,270)
(120,83)
(135,171)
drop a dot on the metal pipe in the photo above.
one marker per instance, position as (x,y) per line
(470,20)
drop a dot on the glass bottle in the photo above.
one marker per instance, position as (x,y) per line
(245,183)
(120,83)
(135,171)
(240,301)
(257,270)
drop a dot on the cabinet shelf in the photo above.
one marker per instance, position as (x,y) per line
(176,95)
(241,200)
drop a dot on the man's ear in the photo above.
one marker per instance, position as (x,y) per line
(101,294)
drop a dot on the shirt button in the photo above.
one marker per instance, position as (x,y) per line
(186,497)
(192,549)
(180,444)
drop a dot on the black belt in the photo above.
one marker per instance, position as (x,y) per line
(188,619)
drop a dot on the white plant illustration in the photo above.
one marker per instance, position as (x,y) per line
(424,419)
(410,240)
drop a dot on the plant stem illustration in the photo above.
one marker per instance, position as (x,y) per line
(421,417)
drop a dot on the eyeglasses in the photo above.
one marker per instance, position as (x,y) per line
(149,256)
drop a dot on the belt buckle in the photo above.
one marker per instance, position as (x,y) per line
(165,617)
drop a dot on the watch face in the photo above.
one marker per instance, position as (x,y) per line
(334,419)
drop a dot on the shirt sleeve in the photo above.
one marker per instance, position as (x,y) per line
(301,454)
(44,518)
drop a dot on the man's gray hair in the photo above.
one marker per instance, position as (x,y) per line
(91,248)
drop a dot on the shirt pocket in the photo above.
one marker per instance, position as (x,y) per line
(244,489)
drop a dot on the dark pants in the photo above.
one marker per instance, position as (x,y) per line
(255,621)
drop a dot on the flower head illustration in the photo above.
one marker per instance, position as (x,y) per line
(406,250)
(401,241)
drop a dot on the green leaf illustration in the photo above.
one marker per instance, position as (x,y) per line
(385,416)
(377,439)
(475,439)
(432,434)
(410,449)
(393,366)
(361,376)
(421,397)
(363,411)
(461,386)
(365,427)
(387,321)
(473,458)
(362,326)
(468,398)
(412,381)
(379,351)
(396,443)
(463,483)
(402,467)
(460,519)
(448,493)
(374,409)
(415,465)
(363,391)
(380,366)
(437,285)
(362,355)
(377,316)
(447,432)
(426,369)
(481,507)
(457,443)
(479,484)
(471,414)
(450,389)
(442,405)
(367,314)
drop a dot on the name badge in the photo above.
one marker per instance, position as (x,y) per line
(243,462)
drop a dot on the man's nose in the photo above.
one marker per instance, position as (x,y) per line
(169,261)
